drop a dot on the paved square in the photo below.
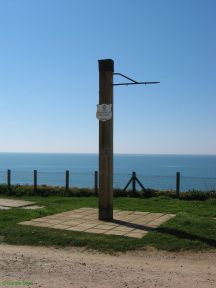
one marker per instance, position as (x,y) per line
(127,223)
(32,207)
(4,208)
(15,203)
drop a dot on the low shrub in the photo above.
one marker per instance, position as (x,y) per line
(44,190)
(197,195)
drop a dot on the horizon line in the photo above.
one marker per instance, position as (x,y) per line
(117,153)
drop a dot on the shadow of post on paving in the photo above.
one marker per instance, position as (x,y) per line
(171,231)
(132,225)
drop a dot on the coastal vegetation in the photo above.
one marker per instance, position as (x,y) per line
(45,190)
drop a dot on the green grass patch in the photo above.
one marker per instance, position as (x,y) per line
(193,228)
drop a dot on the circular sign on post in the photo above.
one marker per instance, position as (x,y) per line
(104,112)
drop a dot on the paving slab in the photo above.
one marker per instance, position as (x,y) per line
(4,208)
(135,234)
(116,232)
(94,230)
(60,226)
(15,203)
(125,223)
(32,207)
(123,229)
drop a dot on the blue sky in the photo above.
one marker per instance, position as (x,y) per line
(49,74)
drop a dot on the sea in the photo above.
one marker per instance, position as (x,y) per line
(154,171)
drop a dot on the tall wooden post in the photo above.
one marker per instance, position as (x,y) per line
(106,69)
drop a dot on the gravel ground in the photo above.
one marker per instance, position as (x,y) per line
(25,266)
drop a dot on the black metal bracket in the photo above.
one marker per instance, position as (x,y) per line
(133,82)
(133,180)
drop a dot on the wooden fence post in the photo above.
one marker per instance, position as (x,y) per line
(35,181)
(134,182)
(177,184)
(96,182)
(9,179)
(67,180)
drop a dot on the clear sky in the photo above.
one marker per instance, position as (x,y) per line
(49,74)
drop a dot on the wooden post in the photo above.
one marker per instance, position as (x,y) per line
(9,179)
(67,180)
(134,182)
(106,69)
(177,184)
(96,182)
(35,181)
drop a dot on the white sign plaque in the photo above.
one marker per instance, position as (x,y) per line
(104,112)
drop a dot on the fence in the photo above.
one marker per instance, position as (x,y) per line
(36,179)
(68,179)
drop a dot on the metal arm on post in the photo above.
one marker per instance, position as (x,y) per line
(133,82)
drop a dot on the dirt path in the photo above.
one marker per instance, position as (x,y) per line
(50,267)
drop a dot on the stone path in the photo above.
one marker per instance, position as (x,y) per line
(126,223)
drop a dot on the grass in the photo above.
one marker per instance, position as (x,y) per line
(193,228)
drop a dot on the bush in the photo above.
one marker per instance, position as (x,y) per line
(198,195)
(44,190)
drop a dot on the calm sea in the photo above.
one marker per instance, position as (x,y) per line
(154,171)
